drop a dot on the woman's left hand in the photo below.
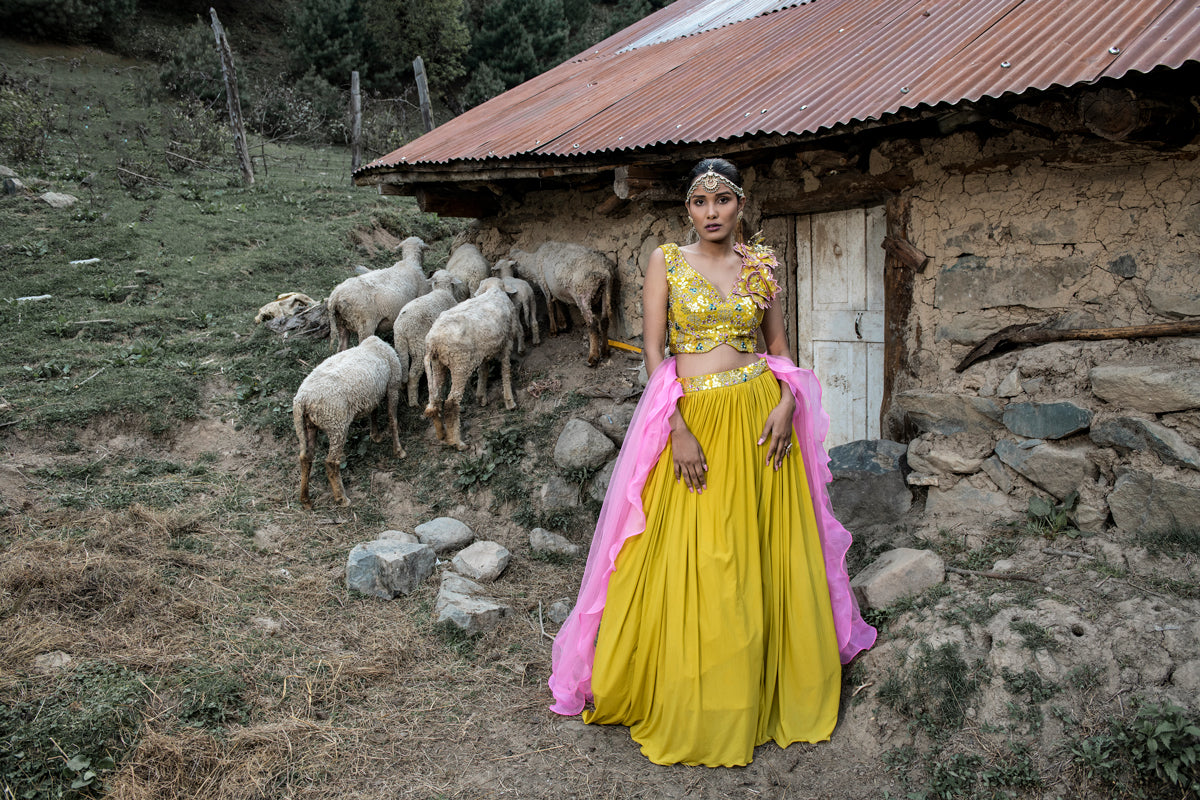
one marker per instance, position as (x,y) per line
(778,431)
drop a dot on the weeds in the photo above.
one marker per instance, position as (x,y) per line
(934,690)
(1154,753)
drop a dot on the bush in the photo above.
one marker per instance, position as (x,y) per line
(1155,754)
(196,137)
(193,72)
(309,109)
(66,20)
(26,119)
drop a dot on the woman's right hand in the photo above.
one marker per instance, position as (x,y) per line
(690,465)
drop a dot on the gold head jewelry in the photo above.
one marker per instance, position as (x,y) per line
(710,182)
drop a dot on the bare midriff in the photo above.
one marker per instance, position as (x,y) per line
(721,358)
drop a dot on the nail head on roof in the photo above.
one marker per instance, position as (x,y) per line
(1005,64)
(1114,50)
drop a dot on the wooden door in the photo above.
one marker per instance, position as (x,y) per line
(839,323)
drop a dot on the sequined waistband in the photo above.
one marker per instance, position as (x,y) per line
(731,377)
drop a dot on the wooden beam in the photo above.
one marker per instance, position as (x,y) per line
(450,203)
(898,277)
(908,254)
(1032,333)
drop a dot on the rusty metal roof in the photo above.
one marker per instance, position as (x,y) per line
(702,71)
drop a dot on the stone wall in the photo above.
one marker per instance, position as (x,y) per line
(1072,232)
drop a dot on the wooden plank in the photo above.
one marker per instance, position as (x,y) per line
(876,231)
(802,272)
(875,370)
(839,274)
(423,93)
(842,369)
(898,277)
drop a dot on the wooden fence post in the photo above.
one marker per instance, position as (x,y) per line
(355,124)
(231,96)
(423,93)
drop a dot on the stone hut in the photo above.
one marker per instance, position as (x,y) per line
(929,178)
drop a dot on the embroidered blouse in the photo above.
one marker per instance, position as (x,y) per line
(700,318)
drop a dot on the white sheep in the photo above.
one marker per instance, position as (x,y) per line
(413,324)
(461,340)
(285,305)
(368,304)
(341,388)
(572,274)
(469,266)
(521,293)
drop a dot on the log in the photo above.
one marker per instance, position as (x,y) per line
(233,102)
(905,252)
(355,124)
(423,93)
(1032,333)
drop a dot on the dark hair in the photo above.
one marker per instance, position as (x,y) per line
(717,165)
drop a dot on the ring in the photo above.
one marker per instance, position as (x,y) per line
(787,449)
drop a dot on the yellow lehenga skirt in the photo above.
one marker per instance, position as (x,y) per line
(717,633)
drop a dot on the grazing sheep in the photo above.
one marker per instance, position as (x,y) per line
(341,388)
(461,340)
(369,303)
(521,293)
(572,274)
(413,324)
(469,266)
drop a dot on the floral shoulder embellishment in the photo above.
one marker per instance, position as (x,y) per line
(758,273)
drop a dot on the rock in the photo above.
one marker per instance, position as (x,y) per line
(963,498)
(1153,389)
(994,469)
(974,282)
(444,534)
(1057,469)
(559,611)
(387,568)
(962,453)
(483,561)
(1134,433)
(1089,518)
(1011,385)
(1186,678)
(921,479)
(581,446)
(267,625)
(936,412)
(58,200)
(599,485)
(461,603)
(868,486)
(13,186)
(1140,502)
(543,541)
(616,422)
(1046,420)
(1123,266)
(401,536)
(52,661)
(898,573)
(6,172)
(557,493)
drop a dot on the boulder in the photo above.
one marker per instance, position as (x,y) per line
(898,573)
(1155,389)
(543,541)
(462,603)
(444,534)
(13,186)
(482,561)
(58,200)
(582,446)
(1046,420)
(385,569)
(939,412)
(1141,502)
(1057,469)
(557,493)
(1134,433)
(615,423)
(868,486)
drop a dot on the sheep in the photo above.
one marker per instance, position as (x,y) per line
(469,266)
(518,333)
(460,341)
(572,274)
(341,388)
(369,303)
(413,323)
(285,305)
(521,293)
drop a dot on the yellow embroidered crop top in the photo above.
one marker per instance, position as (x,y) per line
(700,318)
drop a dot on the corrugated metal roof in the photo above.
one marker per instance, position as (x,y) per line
(796,69)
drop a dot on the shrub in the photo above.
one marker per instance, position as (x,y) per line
(1154,754)
(193,72)
(66,20)
(26,120)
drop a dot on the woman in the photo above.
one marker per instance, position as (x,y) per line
(717,566)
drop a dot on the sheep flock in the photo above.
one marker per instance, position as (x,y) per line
(439,334)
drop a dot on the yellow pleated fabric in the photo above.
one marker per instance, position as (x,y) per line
(717,632)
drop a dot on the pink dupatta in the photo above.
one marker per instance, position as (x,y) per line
(621,517)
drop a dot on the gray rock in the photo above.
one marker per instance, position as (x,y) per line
(13,186)
(461,603)
(1143,503)
(921,479)
(58,200)
(1123,266)
(616,422)
(482,561)
(1089,518)
(6,172)
(557,493)
(1133,433)
(444,534)
(898,573)
(994,469)
(868,486)
(936,412)
(1046,420)
(963,498)
(1011,385)
(401,536)
(581,446)
(1057,469)
(543,541)
(559,611)
(973,282)
(1154,389)
(599,485)
(387,568)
